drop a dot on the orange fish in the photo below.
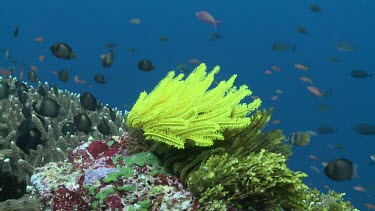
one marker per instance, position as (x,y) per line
(359,188)
(276,68)
(254,97)
(39,39)
(305,79)
(34,68)
(300,67)
(324,164)
(41,58)
(315,91)
(268,72)
(78,81)
(313,157)
(370,206)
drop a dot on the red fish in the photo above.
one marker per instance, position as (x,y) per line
(5,72)
(370,206)
(208,18)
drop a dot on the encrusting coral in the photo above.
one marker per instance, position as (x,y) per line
(178,110)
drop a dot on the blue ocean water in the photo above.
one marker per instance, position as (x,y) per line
(248,30)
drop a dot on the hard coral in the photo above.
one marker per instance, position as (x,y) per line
(20,154)
(178,110)
(100,175)
(330,201)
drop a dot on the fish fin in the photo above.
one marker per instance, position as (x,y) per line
(354,174)
(217,23)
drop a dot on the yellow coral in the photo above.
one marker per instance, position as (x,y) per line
(178,110)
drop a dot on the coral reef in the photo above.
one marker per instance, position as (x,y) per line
(331,201)
(25,203)
(110,165)
(100,175)
(173,114)
(18,115)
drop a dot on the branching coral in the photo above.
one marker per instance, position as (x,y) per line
(178,110)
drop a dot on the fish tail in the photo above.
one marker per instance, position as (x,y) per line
(217,23)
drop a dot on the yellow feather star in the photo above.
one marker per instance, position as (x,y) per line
(178,110)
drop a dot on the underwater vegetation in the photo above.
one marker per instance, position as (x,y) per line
(207,139)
